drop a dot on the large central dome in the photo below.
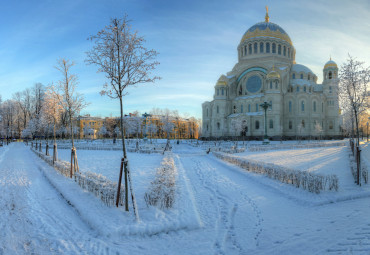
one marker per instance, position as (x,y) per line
(266,29)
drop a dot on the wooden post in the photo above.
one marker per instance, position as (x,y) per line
(47,150)
(119,183)
(54,153)
(71,173)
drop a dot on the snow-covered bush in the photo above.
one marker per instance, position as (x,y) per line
(314,183)
(100,186)
(294,146)
(162,190)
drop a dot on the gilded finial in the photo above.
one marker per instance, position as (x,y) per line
(267,18)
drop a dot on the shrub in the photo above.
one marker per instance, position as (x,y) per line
(162,189)
(314,183)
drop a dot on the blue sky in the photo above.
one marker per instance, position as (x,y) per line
(197,42)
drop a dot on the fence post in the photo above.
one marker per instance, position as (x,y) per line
(358,159)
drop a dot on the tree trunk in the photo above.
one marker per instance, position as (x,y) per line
(124,156)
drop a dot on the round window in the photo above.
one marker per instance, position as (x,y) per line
(254,84)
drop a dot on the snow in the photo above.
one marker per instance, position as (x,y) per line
(220,208)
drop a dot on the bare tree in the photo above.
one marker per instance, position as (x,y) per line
(52,111)
(121,55)
(353,86)
(167,126)
(71,101)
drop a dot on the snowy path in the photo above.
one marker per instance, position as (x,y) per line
(34,218)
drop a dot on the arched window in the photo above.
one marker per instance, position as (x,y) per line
(257,124)
(245,50)
(217,109)
(314,106)
(271,124)
(293,76)
(267,47)
(240,90)
(302,106)
(241,108)
(297,88)
(255,48)
(330,75)
(302,123)
(222,91)
(250,49)
(276,84)
(330,89)
(301,76)
(290,124)
(270,105)
(279,49)
(207,112)
(249,108)
(273,48)
(207,127)
(261,47)
(290,106)
(304,89)
(309,77)
(322,107)
(309,89)
(284,51)
(218,92)
(270,84)
(256,107)
(234,108)
(218,125)
(289,52)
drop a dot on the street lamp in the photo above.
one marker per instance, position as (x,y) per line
(265,106)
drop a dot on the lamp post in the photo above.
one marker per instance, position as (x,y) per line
(145,115)
(265,106)
(367,131)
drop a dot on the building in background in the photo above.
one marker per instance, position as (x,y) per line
(267,72)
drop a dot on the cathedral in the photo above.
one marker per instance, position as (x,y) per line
(268,93)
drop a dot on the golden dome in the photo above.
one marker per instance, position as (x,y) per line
(330,63)
(273,74)
(266,30)
(221,81)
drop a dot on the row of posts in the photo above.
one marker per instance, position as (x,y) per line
(38,146)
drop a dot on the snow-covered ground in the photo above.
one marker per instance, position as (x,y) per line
(239,212)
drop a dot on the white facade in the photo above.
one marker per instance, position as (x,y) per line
(266,72)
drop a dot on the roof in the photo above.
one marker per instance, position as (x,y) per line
(266,29)
(330,63)
(301,68)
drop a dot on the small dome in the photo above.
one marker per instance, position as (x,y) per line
(221,81)
(273,74)
(266,29)
(330,63)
